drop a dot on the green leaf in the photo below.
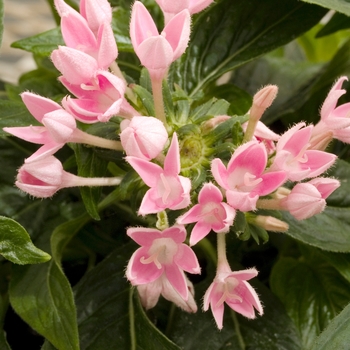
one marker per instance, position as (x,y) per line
(337,335)
(337,5)
(272,331)
(90,165)
(13,113)
(338,22)
(109,316)
(42,44)
(221,40)
(312,291)
(16,245)
(120,26)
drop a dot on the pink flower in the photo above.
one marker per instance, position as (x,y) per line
(168,189)
(143,137)
(233,289)
(157,51)
(59,126)
(296,159)
(150,293)
(308,199)
(245,178)
(89,33)
(44,177)
(170,8)
(98,98)
(163,256)
(336,118)
(211,213)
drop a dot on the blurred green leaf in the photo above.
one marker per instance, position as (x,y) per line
(16,245)
(337,335)
(120,26)
(337,5)
(312,291)
(338,22)
(42,44)
(230,34)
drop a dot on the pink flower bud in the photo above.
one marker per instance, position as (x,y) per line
(143,137)
(263,100)
(308,199)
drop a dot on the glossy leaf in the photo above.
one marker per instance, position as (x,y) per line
(41,44)
(337,335)
(339,21)
(109,316)
(337,5)
(14,113)
(230,34)
(313,293)
(90,165)
(273,331)
(16,245)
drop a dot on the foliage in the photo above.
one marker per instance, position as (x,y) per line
(65,257)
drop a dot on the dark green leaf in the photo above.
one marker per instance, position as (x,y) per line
(273,331)
(109,317)
(90,165)
(120,26)
(16,245)
(42,44)
(338,21)
(312,292)
(337,335)
(338,5)
(231,33)
(13,113)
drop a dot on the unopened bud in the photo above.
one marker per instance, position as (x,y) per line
(269,223)
(263,100)
(321,141)
(214,122)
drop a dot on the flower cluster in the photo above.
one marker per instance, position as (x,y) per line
(250,178)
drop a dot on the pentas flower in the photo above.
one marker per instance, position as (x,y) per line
(308,199)
(162,255)
(143,137)
(150,293)
(232,288)
(44,177)
(211,213)
(98,98)
(59,126)
(98,41)
(244,178)
(157,51)
(168,189)
(296,159)
(170,8)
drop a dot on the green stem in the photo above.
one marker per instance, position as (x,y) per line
(170,319)
(207,247)
(157,90)
(238,330)
(132,320)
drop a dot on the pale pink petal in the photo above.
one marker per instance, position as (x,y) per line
(298,140)
(172,159)
(219,172)
(242,201)
(34,134)
(332,98)
(198,5)
(210,193)
(193,215)
(186,259)
(247,274)
(139,273)
(177,233)
(150,204)
(150,293)
(199,231)
(149,172)
(270,182)
(325,186)
(318,162)
(48,149)
(142,25)
(108,51)
(289,134)
(76,66)
(177,279)
(38,106)
(177,33)
(96,12)
(143,236)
